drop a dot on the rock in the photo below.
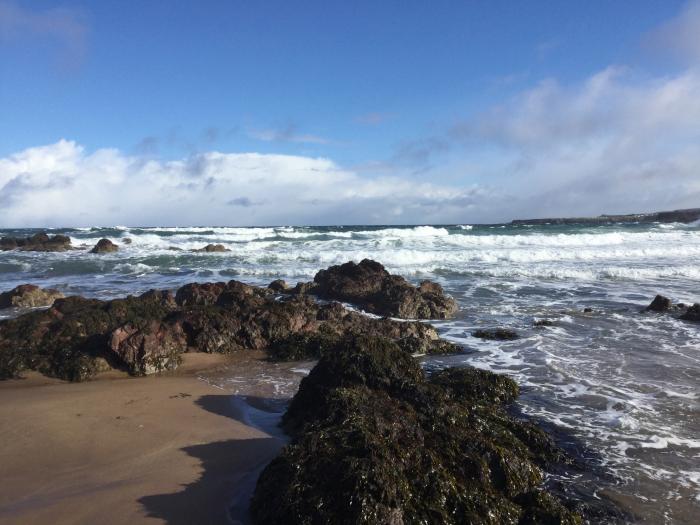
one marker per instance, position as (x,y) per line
(588,310)
(278,285)
(371,287)
(301,289)
(146,334)
(105,246)
(213,248)
(496,334)
(541,323)
(148,349)
(692,313)
(127,240)
(39,242)
(659,304)
(196,293)
(29,296)
(375,441)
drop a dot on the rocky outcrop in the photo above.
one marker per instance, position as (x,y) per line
(692,313)
(659,304)
(105,246)
(29,296)
(496,334)
(278,285)
(376,441)
(39,242)
(213,248)
(150,348)
(371,287)
(662,304)
(148,333)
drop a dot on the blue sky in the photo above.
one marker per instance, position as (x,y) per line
(390,93)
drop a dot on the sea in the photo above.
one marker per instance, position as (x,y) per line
(623,383)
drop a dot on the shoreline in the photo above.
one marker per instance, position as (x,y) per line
(164,449)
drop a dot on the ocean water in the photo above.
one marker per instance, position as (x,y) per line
(625,384)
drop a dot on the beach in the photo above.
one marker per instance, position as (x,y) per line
(619,381)
(166,449)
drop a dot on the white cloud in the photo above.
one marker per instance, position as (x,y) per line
(62,184)
(615,143)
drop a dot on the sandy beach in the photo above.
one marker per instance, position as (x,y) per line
(165,449)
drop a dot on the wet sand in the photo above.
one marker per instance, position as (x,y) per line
(169,449)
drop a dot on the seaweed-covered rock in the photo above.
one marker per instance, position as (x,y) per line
(370,286)
(376,442)
(692,313)
(29,296)
(212,248)
(39,242)
(278,285)
(146,334)
(105,246)
(496,334)
(71,339)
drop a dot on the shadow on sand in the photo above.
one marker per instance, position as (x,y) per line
(230,470)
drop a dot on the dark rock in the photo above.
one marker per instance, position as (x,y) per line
(374,441)
(541,323)
(496,334)
(199,293)
(71,339)
(692,314)
(278,285)
(29,296)
(213,248)
(660,304)
(105,246)
(39,242)
(127,240)
(588,310)
(146,334)
(371,287)
(301,289)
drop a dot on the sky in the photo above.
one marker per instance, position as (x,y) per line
(333,112)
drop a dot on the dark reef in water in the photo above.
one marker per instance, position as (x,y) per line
(76,337)
(684,216)
(662,304)
(39,242)
(375,441)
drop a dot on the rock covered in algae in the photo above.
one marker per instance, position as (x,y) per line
(29,296)
(375,441)
(371,287)
(39,242)
(75,337)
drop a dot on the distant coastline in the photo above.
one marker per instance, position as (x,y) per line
(683,216)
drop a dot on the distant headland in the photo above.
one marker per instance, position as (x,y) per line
(684,216)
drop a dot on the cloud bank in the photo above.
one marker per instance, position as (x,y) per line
(618,141)
(63,185)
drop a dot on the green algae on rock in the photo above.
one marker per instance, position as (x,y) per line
(375,441)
